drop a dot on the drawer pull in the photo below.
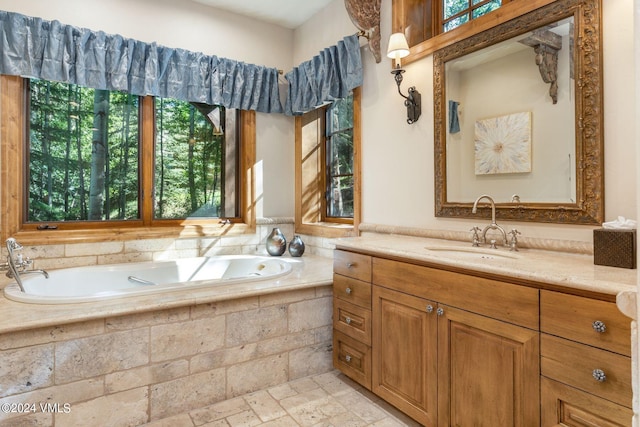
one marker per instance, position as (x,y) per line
(347,358)
(440,311)
(348,291)
(599,375)
(347,320)
(351,264)
(599,326)
(429,308)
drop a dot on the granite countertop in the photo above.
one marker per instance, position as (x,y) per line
(558,269)
(308,271)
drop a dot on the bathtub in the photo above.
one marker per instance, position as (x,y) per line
(92,283)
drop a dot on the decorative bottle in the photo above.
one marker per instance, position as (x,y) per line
(276,242)
(296,247)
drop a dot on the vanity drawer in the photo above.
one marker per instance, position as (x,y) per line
(352,320)
(576,318)
(574,364)
(566,406)
(352,265)
(352,290)
(353,358)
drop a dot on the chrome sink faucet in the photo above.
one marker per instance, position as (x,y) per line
(493,225)
(17,265)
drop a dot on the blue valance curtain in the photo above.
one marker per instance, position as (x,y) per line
(33,47)
(328,76)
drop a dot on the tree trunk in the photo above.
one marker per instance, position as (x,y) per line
(98,154)
(192,181)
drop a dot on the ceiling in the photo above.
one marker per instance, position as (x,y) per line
(285,13)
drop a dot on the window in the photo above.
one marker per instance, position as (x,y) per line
(338,149)
(457,12)
(327,168)
(86,160)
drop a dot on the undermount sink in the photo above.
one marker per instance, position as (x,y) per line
(473,252)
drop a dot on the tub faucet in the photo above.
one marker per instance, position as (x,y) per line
(493,225)
(17,265)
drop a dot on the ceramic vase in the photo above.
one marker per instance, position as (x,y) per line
(276,242)
(296,247)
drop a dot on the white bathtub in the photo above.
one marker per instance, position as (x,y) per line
(91,283)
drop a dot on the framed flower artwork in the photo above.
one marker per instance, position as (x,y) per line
(503,144)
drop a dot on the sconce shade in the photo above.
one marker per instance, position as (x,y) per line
(398,46)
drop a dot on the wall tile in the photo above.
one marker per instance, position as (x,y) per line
(256,375)
(184,394)
(25,369)
(51,334)
(99,355)
(84,249)
(68,393)
(223,307)
(310,360)
(310,314)
(175,340)
(138,320)
(149,245)
(255,325)
(146,375)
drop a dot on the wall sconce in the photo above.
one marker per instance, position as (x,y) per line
(399,48)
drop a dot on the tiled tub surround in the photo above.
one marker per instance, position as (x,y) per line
(148,358)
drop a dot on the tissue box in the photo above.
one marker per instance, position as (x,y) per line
(615,248)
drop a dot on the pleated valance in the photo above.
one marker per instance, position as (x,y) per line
(33,47)
(328,76)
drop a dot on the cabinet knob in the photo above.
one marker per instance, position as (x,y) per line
(347,320)
(599,326)
(440,311)
(599,375)
(347,358)
(348,291)
(429,308)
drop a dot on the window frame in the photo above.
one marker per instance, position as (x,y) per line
(310,197)
(13,132)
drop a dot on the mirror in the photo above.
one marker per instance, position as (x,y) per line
(518,116)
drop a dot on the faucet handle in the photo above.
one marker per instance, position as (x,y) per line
(475,237)
(513,242)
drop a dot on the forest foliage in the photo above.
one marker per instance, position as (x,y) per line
(85,151)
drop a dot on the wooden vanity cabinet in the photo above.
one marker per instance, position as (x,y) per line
(447,352)
(452,349)
(585,362)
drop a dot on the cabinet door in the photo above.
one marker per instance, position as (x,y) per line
(404,353)
(488,371)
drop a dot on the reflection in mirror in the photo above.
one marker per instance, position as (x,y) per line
(518,115)
(520,143)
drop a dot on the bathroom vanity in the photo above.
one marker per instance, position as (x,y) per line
(454,335)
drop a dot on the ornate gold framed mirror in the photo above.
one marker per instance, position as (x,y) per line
(518,115)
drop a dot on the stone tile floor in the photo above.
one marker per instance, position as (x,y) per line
(323,400)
